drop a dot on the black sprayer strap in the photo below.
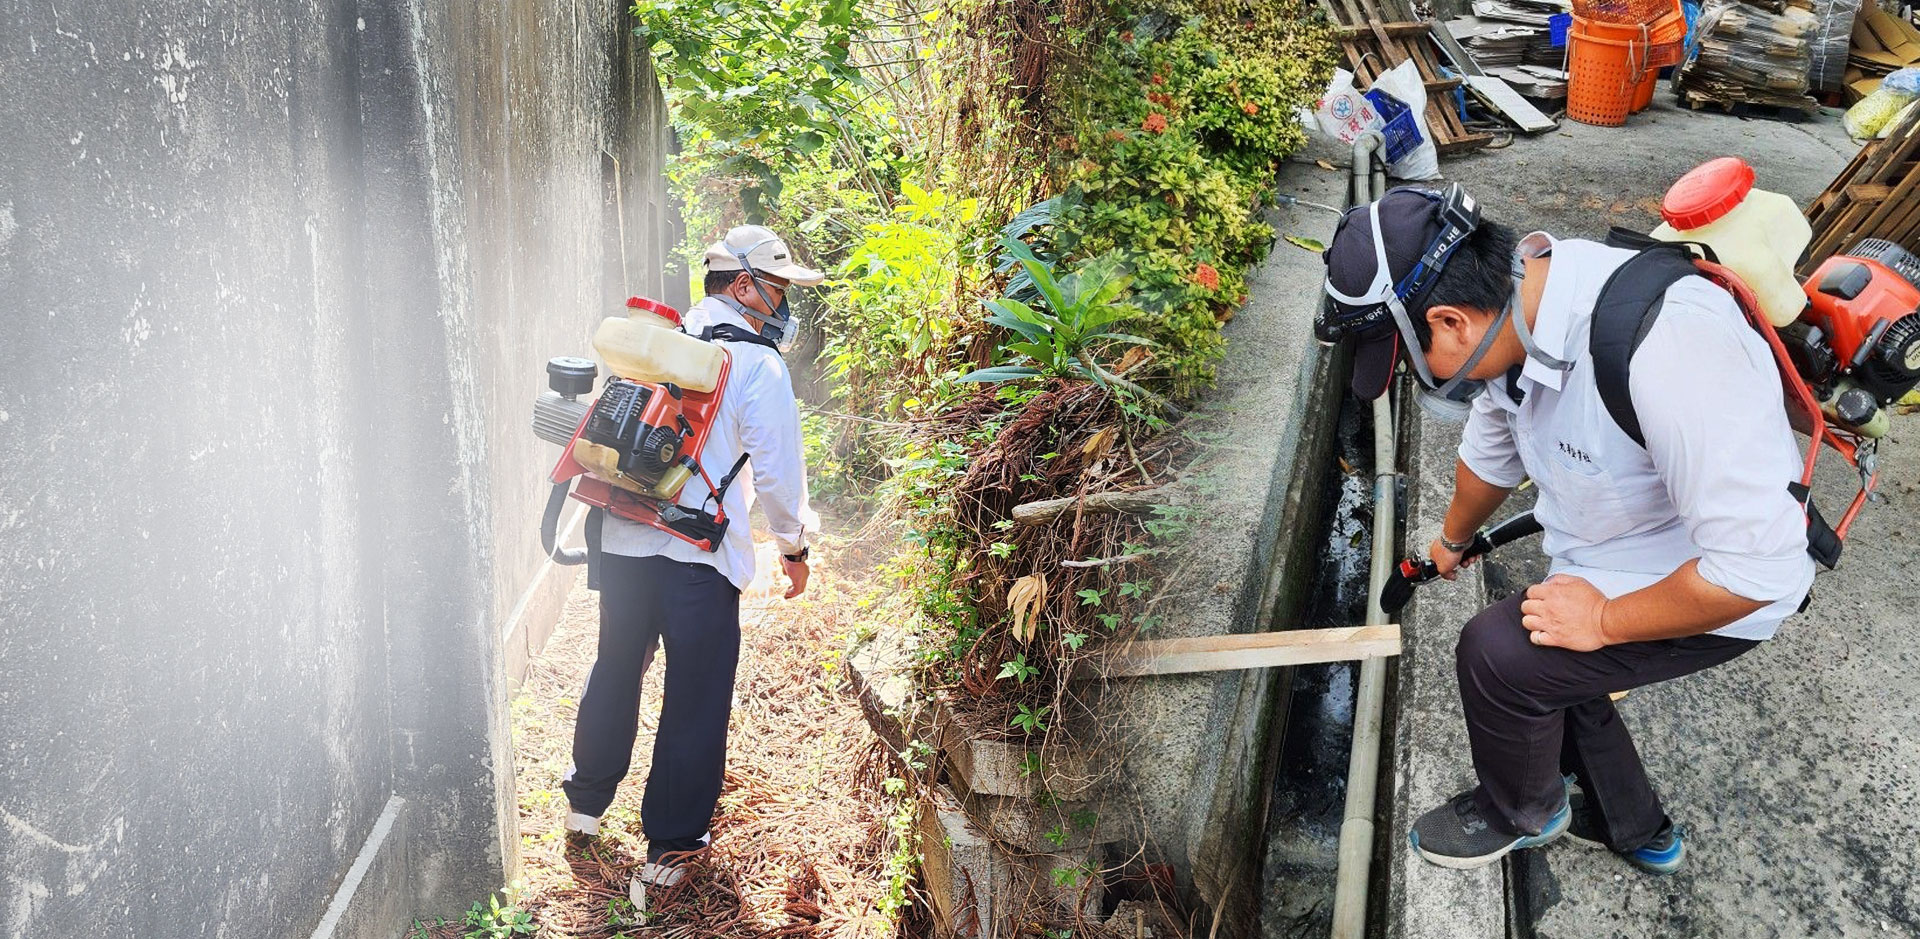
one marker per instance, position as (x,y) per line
(720,492)
(727,332)
(1629,304)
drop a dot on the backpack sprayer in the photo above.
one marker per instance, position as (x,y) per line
(638,444)
(1846,339)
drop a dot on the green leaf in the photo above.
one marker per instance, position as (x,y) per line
(1307,243)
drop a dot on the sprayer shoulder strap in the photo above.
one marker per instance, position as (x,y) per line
(727,332)
(1629,303)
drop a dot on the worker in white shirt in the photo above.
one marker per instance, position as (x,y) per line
(1667,558)
(657,588)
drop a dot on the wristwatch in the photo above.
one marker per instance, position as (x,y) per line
(797,558)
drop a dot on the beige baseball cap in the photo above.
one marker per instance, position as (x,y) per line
(765,252)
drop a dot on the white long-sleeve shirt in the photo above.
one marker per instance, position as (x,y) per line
(758,416)
(1711,482)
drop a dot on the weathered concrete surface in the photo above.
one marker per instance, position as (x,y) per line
(1795,767)
(279,283)
(1195,745)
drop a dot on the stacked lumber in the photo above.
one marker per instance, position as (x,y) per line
(1377,35)
(1876,196)
(1748,56)
(1882,43)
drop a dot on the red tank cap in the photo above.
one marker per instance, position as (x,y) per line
(655,307)
(1707,192)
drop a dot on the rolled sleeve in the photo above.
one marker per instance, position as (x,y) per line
(1710,404)
(770,435)
(1487,446)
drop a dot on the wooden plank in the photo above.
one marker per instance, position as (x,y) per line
(1502,98)
(1253,650)
(1392,29)
(1868,192)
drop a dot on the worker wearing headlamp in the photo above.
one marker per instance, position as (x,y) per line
(1666,559)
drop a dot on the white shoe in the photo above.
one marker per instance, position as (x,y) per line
(661,873)
(583,824)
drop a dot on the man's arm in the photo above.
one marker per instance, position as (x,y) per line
(1570,613)
(770,434)
(1485,473)
(1474,501)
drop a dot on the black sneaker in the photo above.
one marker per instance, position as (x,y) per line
(1663,855)
(1454,835)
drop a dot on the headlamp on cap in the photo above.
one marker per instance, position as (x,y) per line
(1385,307)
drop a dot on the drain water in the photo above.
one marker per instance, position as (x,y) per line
(1309,780)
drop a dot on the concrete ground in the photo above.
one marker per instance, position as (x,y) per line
(1796,769)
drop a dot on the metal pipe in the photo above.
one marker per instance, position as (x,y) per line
(1363,764)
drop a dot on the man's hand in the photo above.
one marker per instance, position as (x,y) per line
(1565,612)
(1446,560)
(797,572)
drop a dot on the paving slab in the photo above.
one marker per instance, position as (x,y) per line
(1794,768)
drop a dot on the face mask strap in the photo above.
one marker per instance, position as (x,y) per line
(1525,332)
(775,323)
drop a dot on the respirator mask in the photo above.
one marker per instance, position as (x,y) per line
(778,328)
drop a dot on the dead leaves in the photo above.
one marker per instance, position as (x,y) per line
(1024,601)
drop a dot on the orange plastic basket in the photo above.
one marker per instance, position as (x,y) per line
(1606,73)
(1643,92)
(1631,12)
(1665,37)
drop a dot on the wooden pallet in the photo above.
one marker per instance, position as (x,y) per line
(1876,196)
(1773,109)
(1377,35)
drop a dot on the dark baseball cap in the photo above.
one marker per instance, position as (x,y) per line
(1410,220)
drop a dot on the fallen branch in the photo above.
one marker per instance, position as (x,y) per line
(1102,562)
(1135,502)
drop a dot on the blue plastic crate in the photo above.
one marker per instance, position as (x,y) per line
(1558,26)
(1401,132)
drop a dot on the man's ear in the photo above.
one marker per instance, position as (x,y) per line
(1449,320)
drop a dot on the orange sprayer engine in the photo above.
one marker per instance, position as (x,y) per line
(633,448)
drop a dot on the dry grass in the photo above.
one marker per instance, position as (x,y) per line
(801,841)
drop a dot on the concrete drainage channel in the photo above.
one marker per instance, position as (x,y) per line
(1325,751)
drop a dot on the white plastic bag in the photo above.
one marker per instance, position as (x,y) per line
(1344,113)
(1403,82)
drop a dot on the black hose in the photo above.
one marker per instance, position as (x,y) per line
(550,525)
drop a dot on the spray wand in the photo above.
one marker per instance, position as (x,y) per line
(1414,571)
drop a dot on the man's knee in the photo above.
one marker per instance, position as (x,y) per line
(1492,645)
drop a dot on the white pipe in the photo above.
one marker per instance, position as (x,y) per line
(1363,765)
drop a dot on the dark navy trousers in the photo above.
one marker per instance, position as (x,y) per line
(1535,713)
(695,611)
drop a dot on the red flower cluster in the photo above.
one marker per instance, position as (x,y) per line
(1160,98)
(1116,135)
(1159,79)
(1157,123)
(1207,277)
(1250,108)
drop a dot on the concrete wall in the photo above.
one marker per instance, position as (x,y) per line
(276,285)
